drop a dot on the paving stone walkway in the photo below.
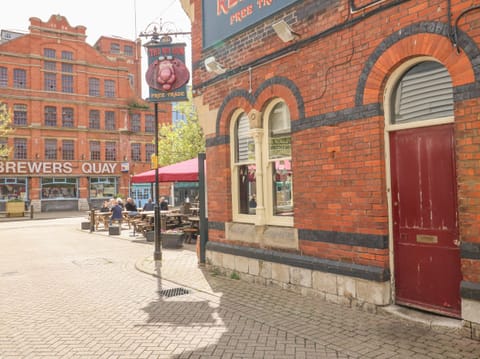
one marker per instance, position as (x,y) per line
(68,293)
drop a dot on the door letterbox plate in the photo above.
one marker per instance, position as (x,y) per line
(423,238)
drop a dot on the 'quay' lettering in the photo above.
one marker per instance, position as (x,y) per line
(98,168)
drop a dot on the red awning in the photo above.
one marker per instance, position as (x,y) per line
(186,171)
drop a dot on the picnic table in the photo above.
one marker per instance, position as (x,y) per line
(100,218)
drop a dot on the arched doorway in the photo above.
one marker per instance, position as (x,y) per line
(423,192)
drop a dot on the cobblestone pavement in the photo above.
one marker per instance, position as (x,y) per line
(67,293)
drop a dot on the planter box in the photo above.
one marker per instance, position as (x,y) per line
(172,240)
(114,230)
(150,236)
(15,209)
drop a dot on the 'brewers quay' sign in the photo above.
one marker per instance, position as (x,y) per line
(224,18)
(50,168)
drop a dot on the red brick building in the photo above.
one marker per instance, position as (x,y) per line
(81,128)
(343,147)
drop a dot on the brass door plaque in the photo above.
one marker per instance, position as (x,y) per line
(423,238)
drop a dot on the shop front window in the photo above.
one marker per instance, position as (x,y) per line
(59,188)
(13,188)
(103,187)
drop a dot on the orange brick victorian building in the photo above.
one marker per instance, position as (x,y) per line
(343,147)
(81,128)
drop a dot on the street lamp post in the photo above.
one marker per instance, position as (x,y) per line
(167,78)
(157,254)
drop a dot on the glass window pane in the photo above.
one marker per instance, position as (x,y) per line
(128,50)
(67,83)
(50,149)
(247,189)
(68,150)
(19,78)
(149,151)
(135,122)
(94,119)
(50,81)
(67,117)
(149,123)
(136,154)
(95,150)
(279,154)
(279,140)
(109,88)
(20,115)
(3,77)
(67,55)
(103,187)
(13,188)
(50,65)
(20,148)
(50,116)
(110,120)
(110,151)
(93,87)
(282,188)
(59,188)
(50,53)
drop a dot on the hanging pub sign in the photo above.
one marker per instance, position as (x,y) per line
(167,76)
(225,18)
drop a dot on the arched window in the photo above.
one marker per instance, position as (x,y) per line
(244,168)
(279,197)
(261,158)
(424,92)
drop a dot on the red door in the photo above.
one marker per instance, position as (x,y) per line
(425,231)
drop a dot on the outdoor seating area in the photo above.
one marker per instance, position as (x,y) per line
(183,221)
(176,222)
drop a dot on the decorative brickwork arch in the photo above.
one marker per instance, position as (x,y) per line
(272,88)
(287,90)
(422,39)
(236,99)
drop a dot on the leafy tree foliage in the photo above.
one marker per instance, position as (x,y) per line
(181,141)
(5,128)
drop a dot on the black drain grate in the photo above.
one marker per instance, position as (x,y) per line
(173,292)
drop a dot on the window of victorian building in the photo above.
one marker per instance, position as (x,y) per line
(273,185)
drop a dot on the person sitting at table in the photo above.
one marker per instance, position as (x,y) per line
(163,204)
(131,207)
(105,207)
(253,202)
(148,206)
(117,212)
(112,203)
(120,202)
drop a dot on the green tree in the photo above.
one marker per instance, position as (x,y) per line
(183,140)
(5,129)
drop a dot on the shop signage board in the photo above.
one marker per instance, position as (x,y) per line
(167,76)
(225,18)
(56,168)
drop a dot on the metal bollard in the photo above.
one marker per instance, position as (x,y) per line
(92,220)
(31,211)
